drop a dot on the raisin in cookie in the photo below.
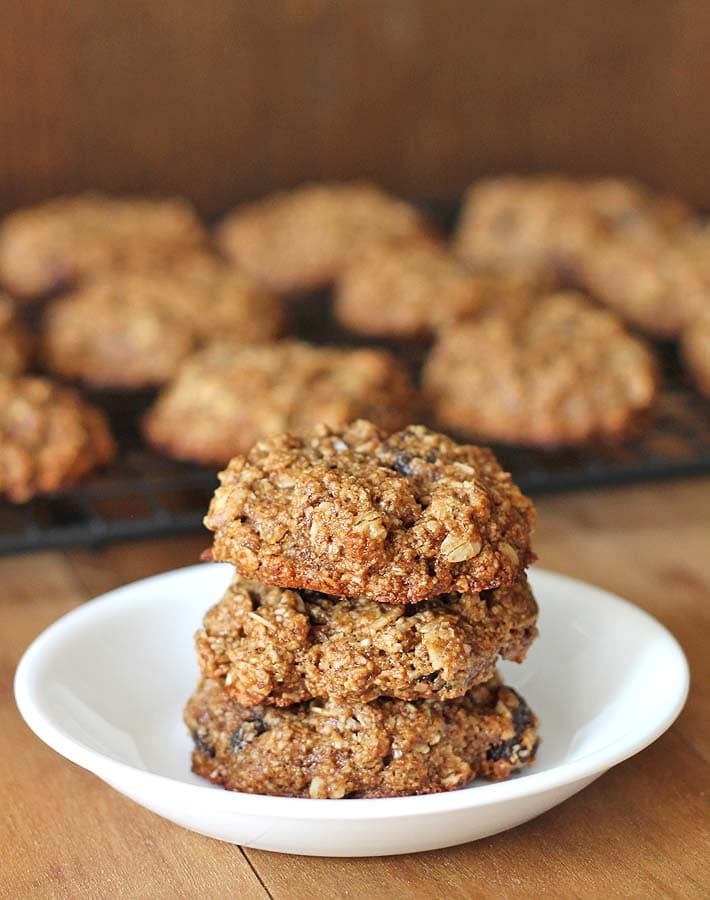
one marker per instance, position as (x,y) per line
(300,240)
(275,646)
(387,748)
(405,291)
(518,222)
(354,513)
(559,371)
(226,397)
(49,437)
(15,340)
(132,330)
(55,244)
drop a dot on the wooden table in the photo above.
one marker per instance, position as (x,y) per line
(639,831)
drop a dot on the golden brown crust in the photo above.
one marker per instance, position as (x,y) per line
(301,239)
(387,748)
(350,513)
(695,351)
(227,397)
(15,341)
(58,243)
(131,330)
(405,290)
(557,371)
(49,437)
(268,645)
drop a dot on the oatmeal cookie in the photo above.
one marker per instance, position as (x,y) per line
(132,330)
(405,290)
(274,646)
(388,748)
(49,437)
(560,371)
(55,244)
(695,351)
(15,341)
(658,282)
(518,222)
(352,513)
(226,397)
(301,239)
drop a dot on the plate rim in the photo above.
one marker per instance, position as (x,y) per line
(116,772)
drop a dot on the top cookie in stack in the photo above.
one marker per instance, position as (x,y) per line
(397,519)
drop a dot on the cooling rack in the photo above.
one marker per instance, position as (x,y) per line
(144,495)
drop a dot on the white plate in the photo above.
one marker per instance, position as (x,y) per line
(105,686)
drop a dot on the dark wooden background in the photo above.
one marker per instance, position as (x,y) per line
(225,99)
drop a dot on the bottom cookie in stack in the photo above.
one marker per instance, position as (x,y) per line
(385,748)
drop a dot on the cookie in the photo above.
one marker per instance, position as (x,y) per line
(56,244)
(509,293)
(353,513)
(557,372)
(387,748)
(226,397)
(521,222)
(49,437)
(658,283)
(405,291)
(15,340)
(134,329)
(695,351)
(267,645)
(300,240)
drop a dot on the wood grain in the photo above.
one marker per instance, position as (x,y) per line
(62,833)
(227,99)
(640,830)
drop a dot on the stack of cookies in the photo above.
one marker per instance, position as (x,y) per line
(378,579)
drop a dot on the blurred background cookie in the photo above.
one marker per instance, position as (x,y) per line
(301,239)
(49,437)
(556,371)
(405,290)
(132,330)
(226,397)
(657,281)
(60,242)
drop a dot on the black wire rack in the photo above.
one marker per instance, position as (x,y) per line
(143,495)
